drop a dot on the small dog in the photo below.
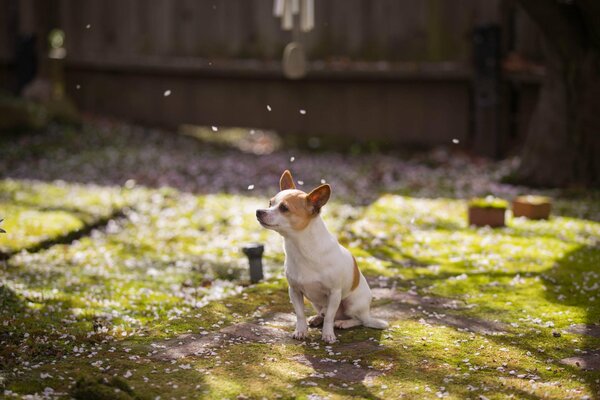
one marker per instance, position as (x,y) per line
(316,265)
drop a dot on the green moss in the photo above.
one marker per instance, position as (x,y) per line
(535,200)
(99,307)
(488,202)
(28,226)
(102,389)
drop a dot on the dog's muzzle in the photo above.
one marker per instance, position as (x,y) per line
(260,215)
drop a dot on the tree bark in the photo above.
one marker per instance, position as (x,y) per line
(562,147)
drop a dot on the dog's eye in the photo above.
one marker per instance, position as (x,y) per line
(283,207)
(270,203)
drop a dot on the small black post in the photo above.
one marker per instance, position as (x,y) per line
(487,140)
(254,252)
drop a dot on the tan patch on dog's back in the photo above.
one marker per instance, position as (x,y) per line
(355,275)
(298,210)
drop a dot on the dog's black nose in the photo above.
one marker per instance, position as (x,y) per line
(260,213)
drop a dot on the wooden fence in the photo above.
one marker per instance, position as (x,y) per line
(392,70)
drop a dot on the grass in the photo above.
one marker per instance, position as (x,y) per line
(41,212)
(94,278)
(94,308)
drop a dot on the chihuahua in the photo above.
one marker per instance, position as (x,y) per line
(316,265)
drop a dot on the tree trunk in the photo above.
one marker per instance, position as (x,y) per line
(562,147)
(563,141)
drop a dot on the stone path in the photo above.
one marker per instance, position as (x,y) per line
(276,329)
(344,371)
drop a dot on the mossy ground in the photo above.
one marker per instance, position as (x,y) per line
(170,264)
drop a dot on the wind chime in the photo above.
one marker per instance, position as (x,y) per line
(291,12)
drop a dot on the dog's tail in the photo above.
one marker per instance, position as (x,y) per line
(376,323)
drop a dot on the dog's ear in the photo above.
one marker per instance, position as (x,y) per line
(318,197)
(286,181)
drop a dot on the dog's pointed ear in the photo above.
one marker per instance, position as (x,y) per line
(318,197)
(286,181)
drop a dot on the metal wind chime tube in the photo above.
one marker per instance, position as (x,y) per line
(286,9)
(294,61)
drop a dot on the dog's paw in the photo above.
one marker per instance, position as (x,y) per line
(300,335)
(328,337)
(316,321)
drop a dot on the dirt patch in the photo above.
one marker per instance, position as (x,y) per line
(589,361)
(362,347)
(328,368)
(583,329)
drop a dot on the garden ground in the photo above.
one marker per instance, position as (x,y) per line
(122,276)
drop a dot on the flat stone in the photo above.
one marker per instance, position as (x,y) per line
(281,319)
(339,370)
(584,329)
(187,345)
(589,361)
(251,332)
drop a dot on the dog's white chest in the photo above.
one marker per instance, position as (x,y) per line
(314,281)
(313,289)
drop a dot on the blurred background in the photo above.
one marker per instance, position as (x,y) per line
(385,74)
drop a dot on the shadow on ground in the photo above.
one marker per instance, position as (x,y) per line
(576,273)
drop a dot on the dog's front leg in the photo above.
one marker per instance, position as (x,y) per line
(333,303)
(297,299)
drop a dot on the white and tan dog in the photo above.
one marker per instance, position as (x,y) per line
(316,265)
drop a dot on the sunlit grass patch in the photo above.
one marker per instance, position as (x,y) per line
(439,361)
(428,243)
(26,226)
(37,212)
(92,200)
